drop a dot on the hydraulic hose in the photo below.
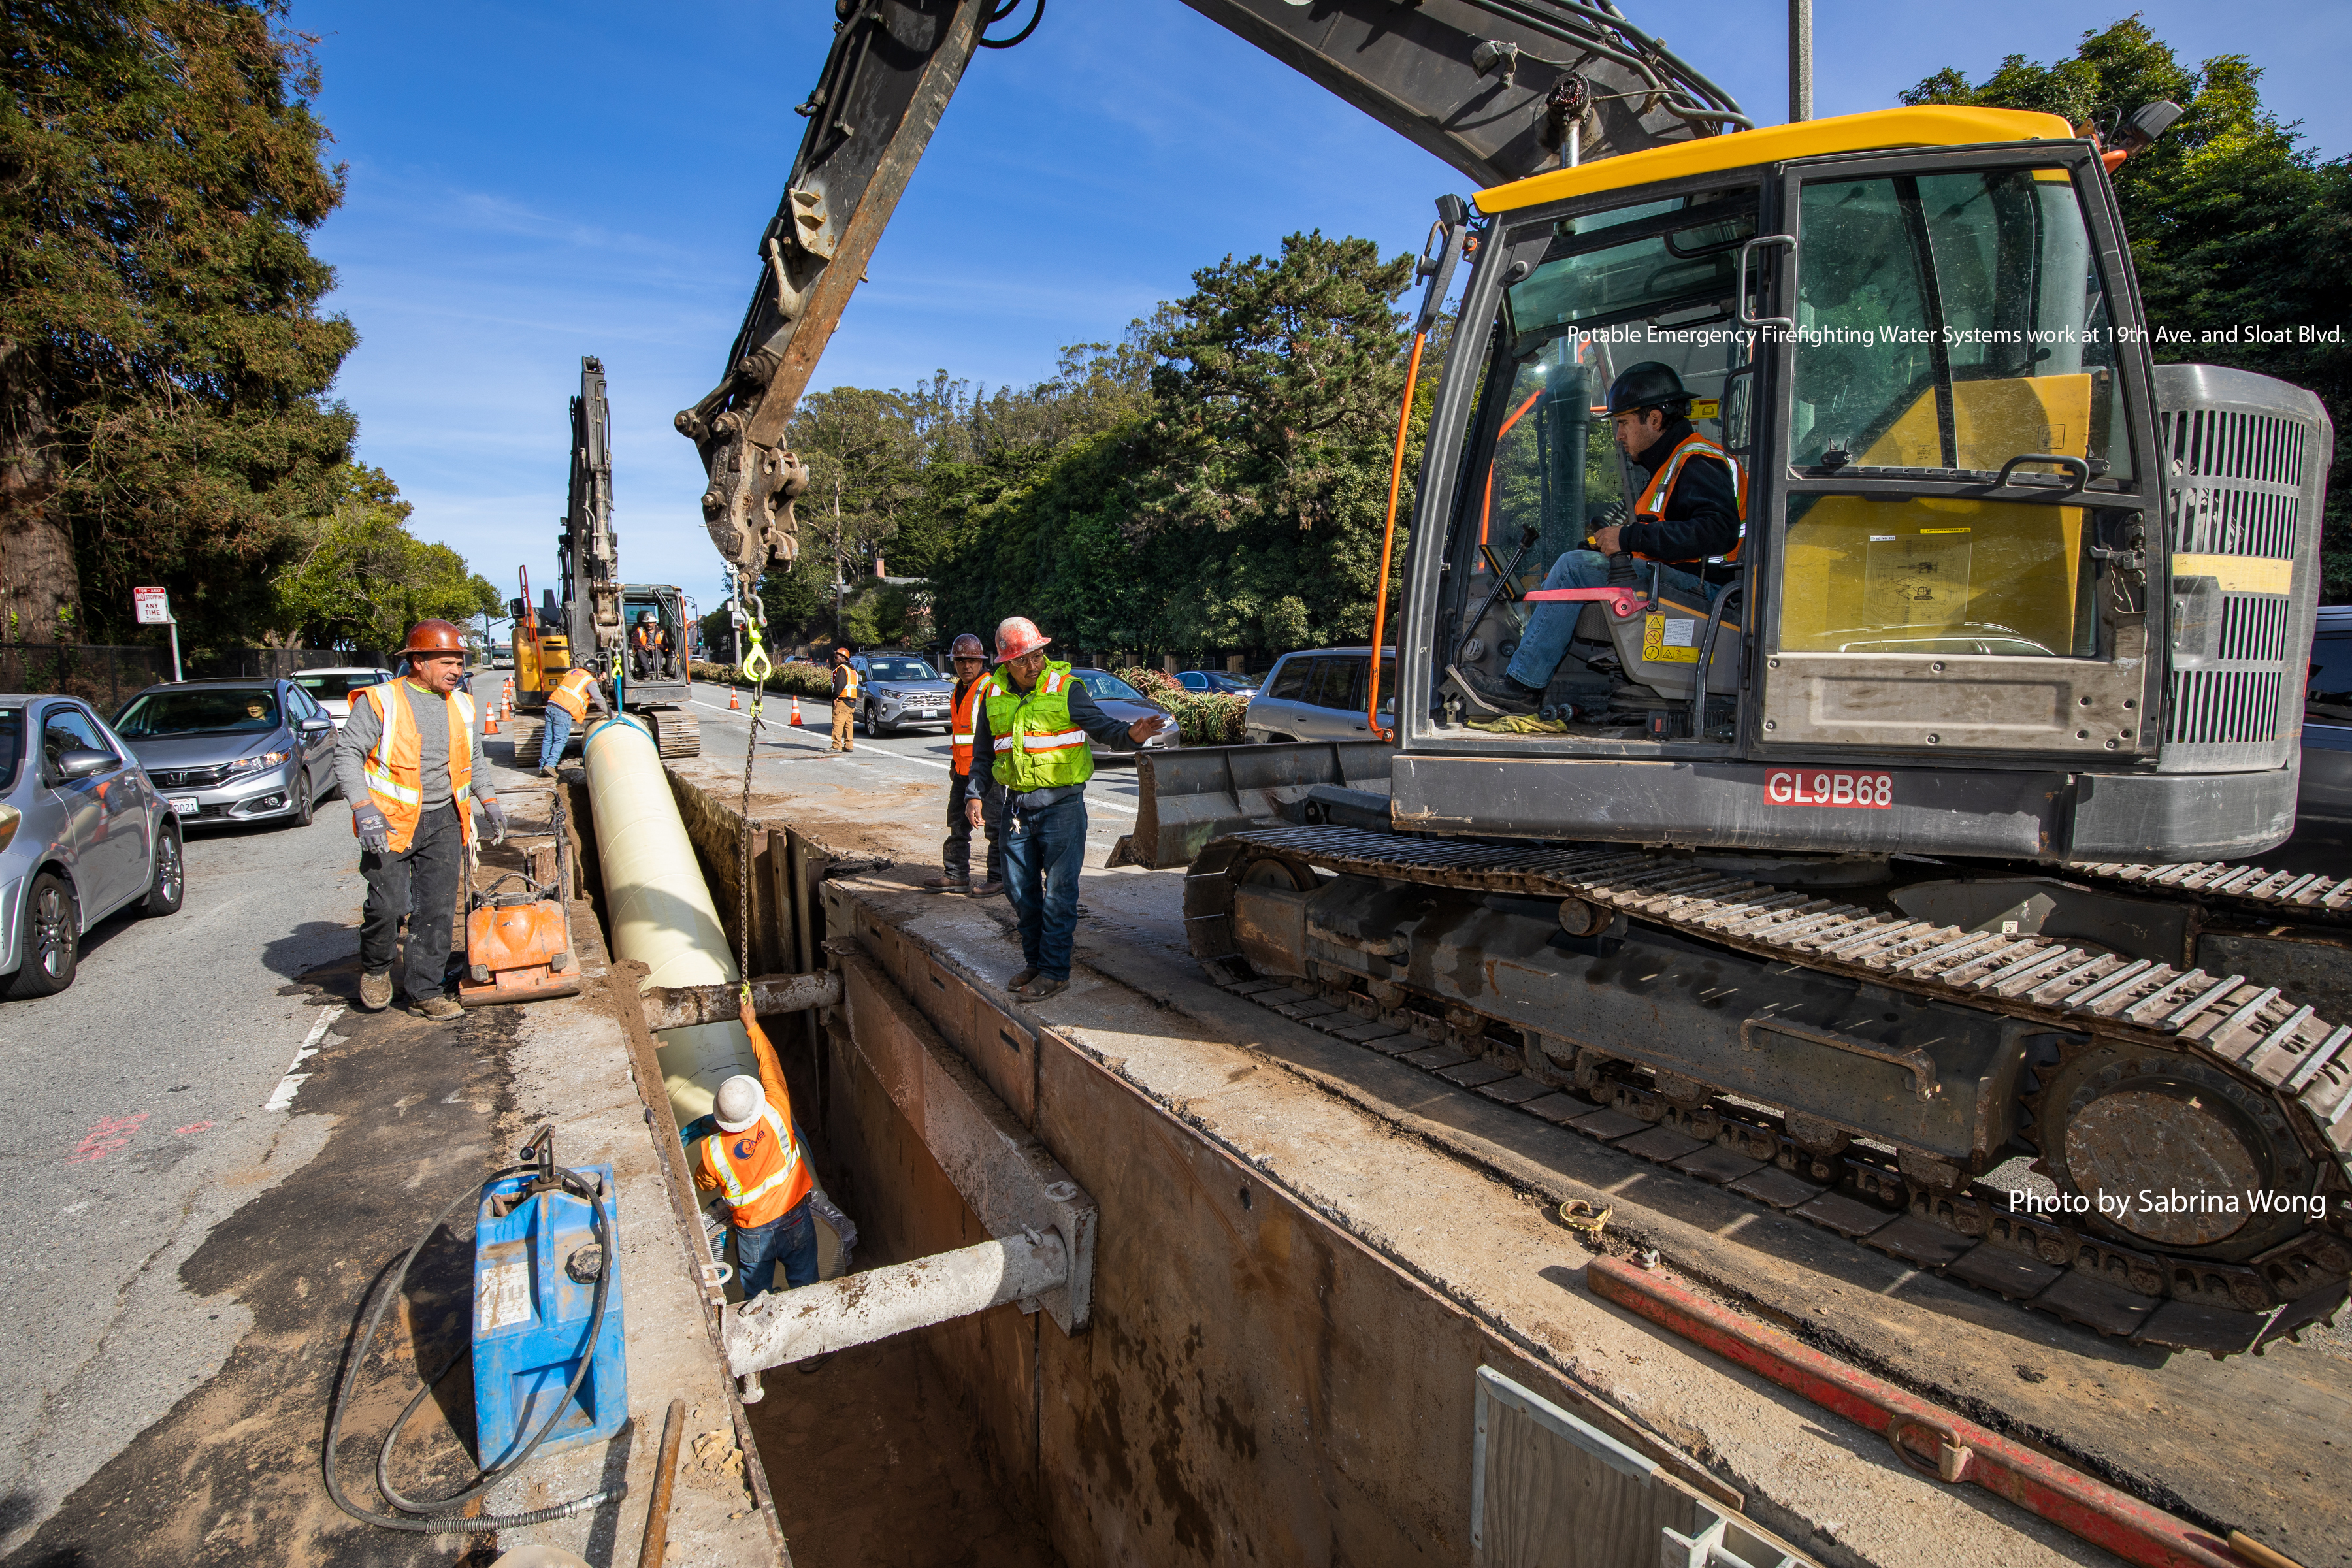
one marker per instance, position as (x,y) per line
(422,1519)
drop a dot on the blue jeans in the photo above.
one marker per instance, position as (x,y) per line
(558,735)
(789,1239)
(1043,851)
(1553,621)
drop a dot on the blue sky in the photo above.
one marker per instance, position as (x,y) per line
(530,183)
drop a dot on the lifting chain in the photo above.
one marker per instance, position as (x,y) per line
(759,666)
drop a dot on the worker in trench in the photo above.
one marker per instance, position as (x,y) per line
(1035,719)
(750,1151)
(404,758)
(567,705)
(1689,517)
(969,655)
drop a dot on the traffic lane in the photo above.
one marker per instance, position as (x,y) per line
(139,1126)
(1113,790)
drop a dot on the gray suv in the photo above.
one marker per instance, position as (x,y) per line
(1319,696)
(234,750)
(901,689)
(83,833)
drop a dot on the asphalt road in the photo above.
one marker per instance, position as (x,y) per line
(154,1098)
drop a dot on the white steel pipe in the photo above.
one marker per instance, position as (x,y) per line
(786,1326)
(660,908)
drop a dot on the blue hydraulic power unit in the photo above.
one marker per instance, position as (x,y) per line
(536,1263)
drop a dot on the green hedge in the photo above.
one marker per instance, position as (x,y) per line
(1205,719)
(807,679)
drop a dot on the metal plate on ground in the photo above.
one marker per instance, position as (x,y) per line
(2011,1274)
(2187,1326)
(1717,1164)
(1557,1108)
(2100,1304)
(1847,1216)
(1776,1187)
(1920,1241)
(1516,1089)
(1662,1145)
(1470,1074)
(1429,1058)
(1607,1125)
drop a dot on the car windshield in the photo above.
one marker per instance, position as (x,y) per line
(11,745)
(1103,685)
(208,710)
(336,685)
(899,669)
(2328,696)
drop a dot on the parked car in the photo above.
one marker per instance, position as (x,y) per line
(900,689)
(1216,682)
(233,751)
(1125,704)
(1319,696)
(83,833)
(2324,798)
(331,687)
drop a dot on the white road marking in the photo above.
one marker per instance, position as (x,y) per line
(282,1096)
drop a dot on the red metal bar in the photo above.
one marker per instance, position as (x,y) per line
(1956,1449)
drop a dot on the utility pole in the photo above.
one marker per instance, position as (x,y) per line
(1801,60)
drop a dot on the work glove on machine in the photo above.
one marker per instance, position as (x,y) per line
(375,833)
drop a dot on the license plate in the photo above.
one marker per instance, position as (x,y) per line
(183,806)
(1830,788)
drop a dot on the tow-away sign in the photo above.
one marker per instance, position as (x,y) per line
(154,606)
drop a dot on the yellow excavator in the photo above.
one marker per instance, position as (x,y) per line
(1911,842)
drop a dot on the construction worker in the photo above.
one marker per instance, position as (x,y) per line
(567,705)
(845,701)
(969,655)
(1034,721)
(406,760)
(749,1149)
(649,646)
(1689,517)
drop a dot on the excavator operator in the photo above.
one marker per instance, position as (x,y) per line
(1687,517)
(651,645)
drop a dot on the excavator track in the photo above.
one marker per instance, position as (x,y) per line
(2283,1062)
(2318,899)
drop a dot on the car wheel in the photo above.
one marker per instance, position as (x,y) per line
(303,804)
(170,883)
(52,945)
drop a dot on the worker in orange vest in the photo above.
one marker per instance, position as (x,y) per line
(567,705)
(969,655)
(754,1158)
(844,700)
(406,760)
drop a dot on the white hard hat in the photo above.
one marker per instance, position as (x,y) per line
(740,1103)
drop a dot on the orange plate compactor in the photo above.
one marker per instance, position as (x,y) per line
(517,937)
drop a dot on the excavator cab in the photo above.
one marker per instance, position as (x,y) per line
(1916,332)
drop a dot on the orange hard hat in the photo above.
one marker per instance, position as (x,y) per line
(1017,634)
(435,637)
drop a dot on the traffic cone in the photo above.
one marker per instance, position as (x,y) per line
(796,706)
(490,725)
(734,701)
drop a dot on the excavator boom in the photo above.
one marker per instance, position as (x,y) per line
(1498,89)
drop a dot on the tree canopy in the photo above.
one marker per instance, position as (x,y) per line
(357,578)
(2233,222)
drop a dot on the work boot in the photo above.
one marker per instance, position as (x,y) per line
(987,889)
(375,991)
(1019,978)
(1044,986)
(947,884)
(440,1009)
(1493,698)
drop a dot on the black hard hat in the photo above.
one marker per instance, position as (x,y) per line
(1648,384)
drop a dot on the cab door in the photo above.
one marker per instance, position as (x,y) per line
(1959,438)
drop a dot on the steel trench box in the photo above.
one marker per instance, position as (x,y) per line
(1664,1002)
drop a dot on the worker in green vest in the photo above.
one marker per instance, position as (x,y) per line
(1034,721)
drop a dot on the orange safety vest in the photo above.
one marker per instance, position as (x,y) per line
(759,1170)
(394,766)
(570,693)
(849,688)
(962,730)
(1651,506)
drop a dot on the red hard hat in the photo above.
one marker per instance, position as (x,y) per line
(435,637)
(1017,634)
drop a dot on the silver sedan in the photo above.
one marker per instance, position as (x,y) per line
(83,834)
